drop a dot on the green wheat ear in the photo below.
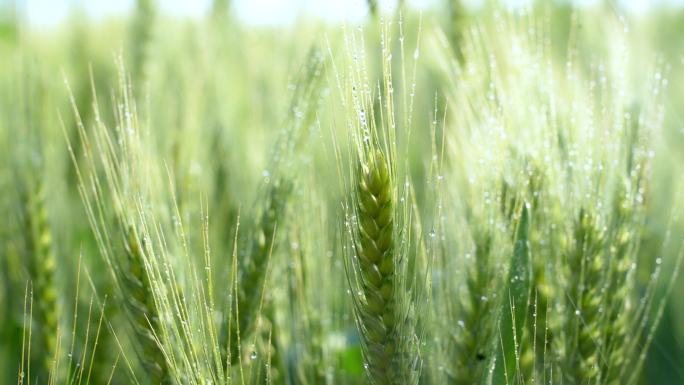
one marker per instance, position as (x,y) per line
(581,324)
(373,7)
(141,38)
(381,318)
(143,313)
(473,340)
(254,267)
(42,266)
(617,316)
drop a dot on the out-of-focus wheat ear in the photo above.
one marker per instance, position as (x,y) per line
(253,267)
(220,8)
(617,299)
(141,37)
(473,335)
(583,312)
(42,265)
(141,309)
(255,250)
(372,7)
(457,21)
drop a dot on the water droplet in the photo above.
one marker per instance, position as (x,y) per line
(253,355)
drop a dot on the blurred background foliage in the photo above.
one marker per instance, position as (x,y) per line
(218,90)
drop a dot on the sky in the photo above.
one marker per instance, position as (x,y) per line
(260,12)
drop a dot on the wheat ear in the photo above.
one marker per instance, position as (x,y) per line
(42,265)
(254,267)
(582,321)
(139,300)
(381,309)
(474,335)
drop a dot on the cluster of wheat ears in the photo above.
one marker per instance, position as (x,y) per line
(491,233)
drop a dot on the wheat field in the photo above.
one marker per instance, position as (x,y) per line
(458,194)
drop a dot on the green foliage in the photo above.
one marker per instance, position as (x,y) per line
(470,196)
